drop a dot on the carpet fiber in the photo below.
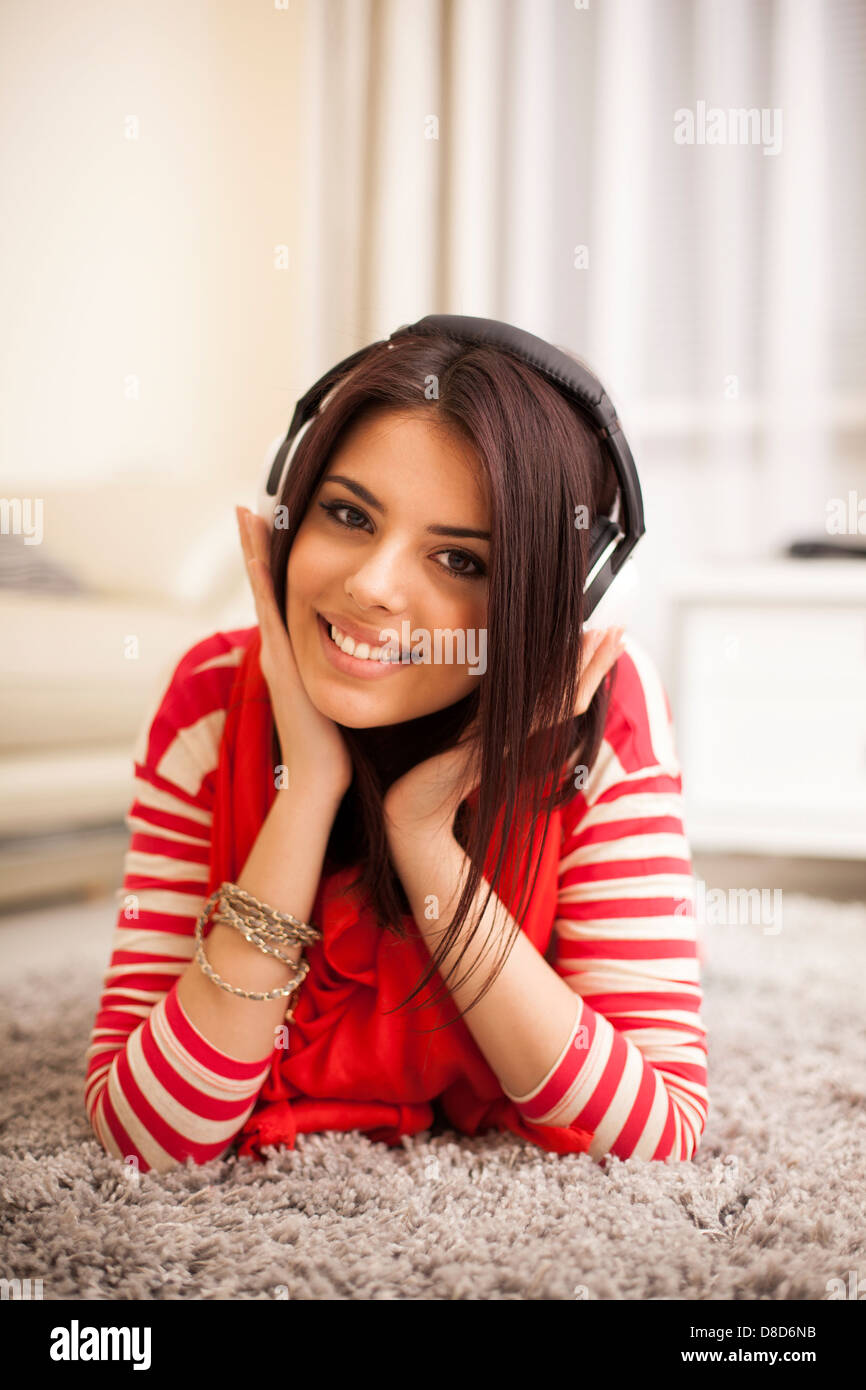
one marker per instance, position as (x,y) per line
(772,1207)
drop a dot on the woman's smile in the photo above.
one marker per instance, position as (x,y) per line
(364,669)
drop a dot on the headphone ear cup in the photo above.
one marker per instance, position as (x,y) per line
(616,606)
(599,576)
(278,461)
(265,498)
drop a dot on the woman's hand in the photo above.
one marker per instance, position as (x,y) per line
(424,801)
(311,744)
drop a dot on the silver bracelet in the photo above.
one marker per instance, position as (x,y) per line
(256,939)
(301,967)
(241,908)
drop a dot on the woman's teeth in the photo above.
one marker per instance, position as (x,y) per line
(361,650)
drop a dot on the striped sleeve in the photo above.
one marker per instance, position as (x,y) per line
(156,1092)
(634,1070)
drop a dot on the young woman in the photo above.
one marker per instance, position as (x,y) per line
(504,806)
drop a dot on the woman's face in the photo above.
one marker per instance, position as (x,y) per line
(367,553)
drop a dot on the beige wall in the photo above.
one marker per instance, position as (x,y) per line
(148,263)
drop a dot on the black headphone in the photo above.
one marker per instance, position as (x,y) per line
(610,542)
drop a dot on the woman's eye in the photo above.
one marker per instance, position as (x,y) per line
(477,573)
(332,508)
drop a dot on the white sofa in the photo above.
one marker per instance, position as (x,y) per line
(94,617)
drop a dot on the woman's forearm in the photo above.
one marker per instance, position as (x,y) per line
(524,1020)
(283,870)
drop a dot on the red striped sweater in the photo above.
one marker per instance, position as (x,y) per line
(634,1070)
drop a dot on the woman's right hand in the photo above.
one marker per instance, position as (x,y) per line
(311,743)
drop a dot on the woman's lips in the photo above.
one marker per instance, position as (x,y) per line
(351,665)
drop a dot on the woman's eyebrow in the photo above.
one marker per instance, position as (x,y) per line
(367,496)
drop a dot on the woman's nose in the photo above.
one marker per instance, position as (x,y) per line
(379,582)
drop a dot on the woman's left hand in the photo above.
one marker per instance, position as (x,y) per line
(424,801)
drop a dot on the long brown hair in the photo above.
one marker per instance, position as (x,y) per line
(543,461)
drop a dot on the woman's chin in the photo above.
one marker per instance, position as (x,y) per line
(353,709)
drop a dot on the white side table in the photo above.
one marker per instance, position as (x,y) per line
(768,692)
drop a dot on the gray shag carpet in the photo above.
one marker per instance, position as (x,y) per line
(771,1208)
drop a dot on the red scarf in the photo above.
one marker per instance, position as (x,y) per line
(349,1065)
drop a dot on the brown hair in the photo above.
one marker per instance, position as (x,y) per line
(542,459)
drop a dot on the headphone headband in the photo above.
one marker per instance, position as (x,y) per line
(610,543)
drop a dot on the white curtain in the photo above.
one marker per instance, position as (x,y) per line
(464,151)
